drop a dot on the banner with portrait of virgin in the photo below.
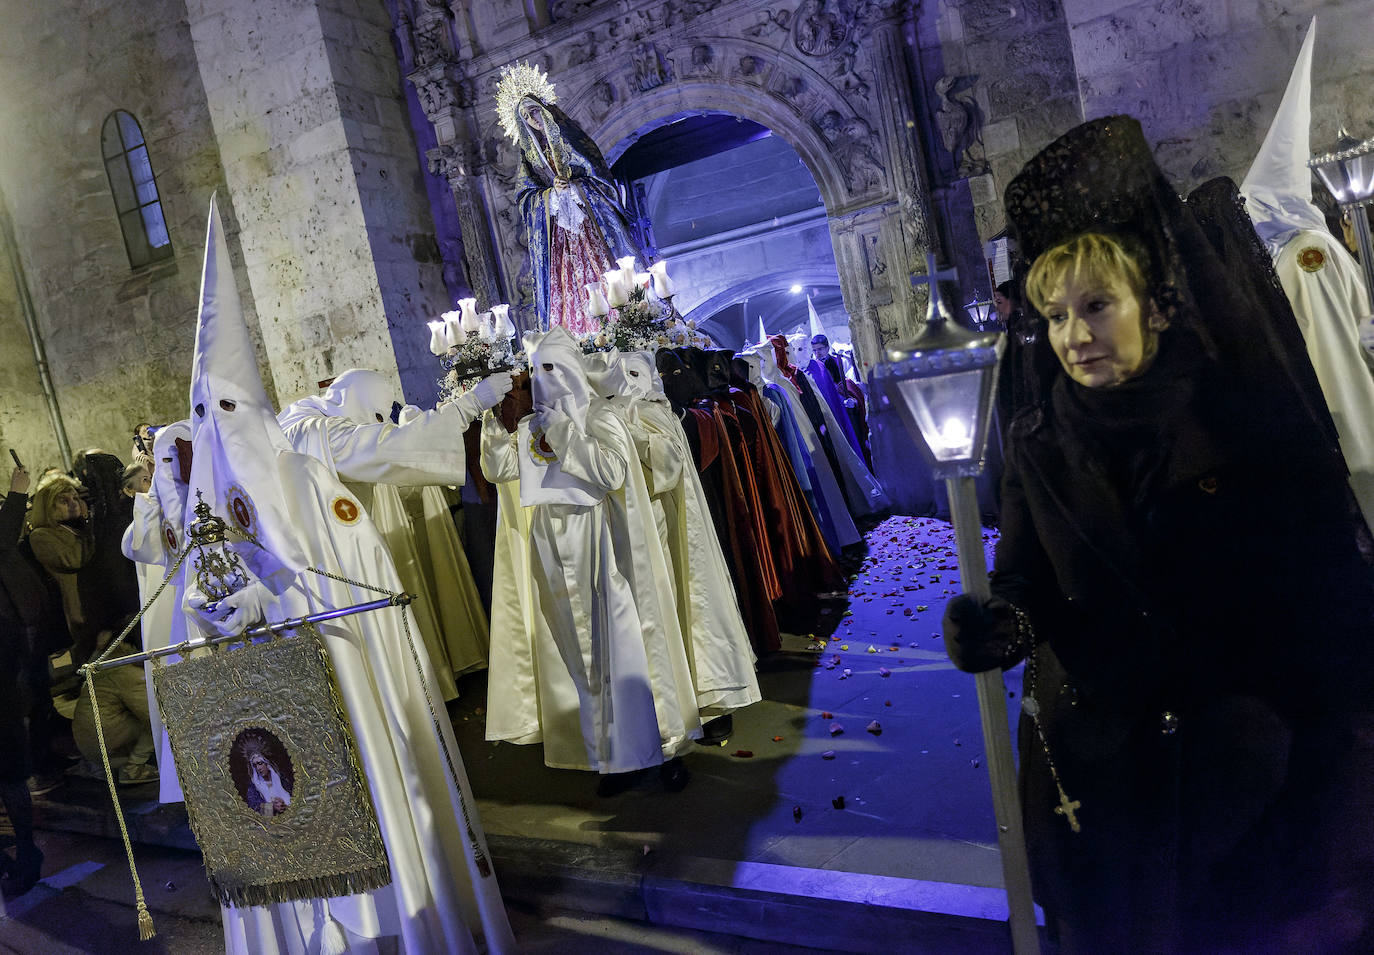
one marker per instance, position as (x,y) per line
(269,768)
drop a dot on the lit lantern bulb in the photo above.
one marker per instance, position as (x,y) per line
(954,433)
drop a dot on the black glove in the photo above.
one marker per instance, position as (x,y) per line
(981,634)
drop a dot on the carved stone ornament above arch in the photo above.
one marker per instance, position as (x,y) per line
(779,89)
(750,80)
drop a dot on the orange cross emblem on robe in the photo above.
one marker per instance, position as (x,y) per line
(1311,259)
(346,510)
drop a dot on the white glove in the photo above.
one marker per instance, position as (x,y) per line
(548,418)
(236,612)
(490,390)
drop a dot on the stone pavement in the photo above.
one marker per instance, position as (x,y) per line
(849,810)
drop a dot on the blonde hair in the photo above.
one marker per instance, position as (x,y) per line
(131,473)
(44,499)
(1092,255)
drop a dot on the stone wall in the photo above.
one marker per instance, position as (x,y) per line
(118,339)
(1204,78)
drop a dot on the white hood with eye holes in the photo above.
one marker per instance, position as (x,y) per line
(558,376)
(360,394)
(167,484)
(234,432)
(630,375)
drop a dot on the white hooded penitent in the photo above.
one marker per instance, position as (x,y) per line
(1320,277)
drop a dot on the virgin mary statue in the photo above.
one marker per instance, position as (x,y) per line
(574,221)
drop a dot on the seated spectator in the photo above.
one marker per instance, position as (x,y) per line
(72,540)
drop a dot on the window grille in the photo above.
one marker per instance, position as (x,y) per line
(134,188)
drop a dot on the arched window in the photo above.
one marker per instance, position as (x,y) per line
(134,188)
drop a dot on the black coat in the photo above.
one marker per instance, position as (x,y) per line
(1203,632)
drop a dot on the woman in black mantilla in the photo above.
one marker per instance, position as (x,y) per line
(1179,571)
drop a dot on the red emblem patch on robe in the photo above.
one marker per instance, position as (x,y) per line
(1311,259)
(171,537)
(241,509)
(346,510)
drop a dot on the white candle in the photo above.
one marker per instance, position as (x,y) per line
(501,322)
(486,329)
(627,272)
(663,286)
(467,307)
(596,300)
(616,289)
(438,343)
(453,329)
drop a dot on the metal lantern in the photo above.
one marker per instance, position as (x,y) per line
(1347,168)
(941,383)
(981,312)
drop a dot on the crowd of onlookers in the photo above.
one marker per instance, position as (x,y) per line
(66,593)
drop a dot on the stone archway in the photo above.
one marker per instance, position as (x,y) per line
(760,285)
(832,79)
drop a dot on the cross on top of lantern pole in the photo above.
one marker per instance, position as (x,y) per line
(934,275)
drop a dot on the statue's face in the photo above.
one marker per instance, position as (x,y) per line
(532,114)
(261,768)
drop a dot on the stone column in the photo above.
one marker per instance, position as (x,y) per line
(339,251)
(446,97)
(878,247)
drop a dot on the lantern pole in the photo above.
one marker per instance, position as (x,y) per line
(992,710)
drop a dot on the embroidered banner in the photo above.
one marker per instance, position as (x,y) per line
(268,764)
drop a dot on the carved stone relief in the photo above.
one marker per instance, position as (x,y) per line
(817,29)
(650,71)
(432,38)
(960,122)
(437,94)
(602,99)
(854,145)
(703,60)
(876,267)
(751,68)
(770,23)
(583,52)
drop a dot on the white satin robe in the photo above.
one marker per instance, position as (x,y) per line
(719,652)
(592,663)
(1329,303)
(438,901)
(423,451)
(145,543)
